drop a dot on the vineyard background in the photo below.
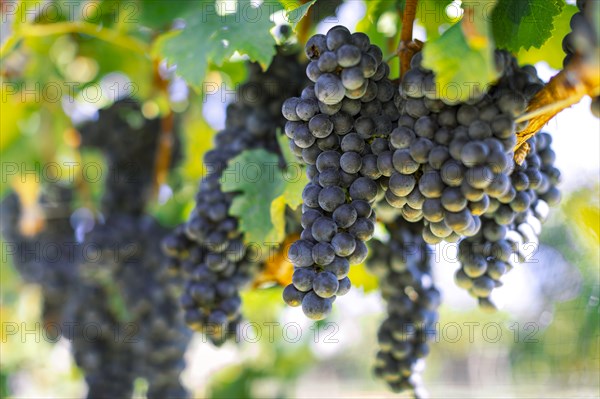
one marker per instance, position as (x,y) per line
(549,319)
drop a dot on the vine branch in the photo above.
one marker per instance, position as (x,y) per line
(82,186)
(166,138)
(164,152)
(86,28)
(406,47)
(568,87)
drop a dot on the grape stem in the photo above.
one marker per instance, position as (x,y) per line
(568,87)
(82,186)
(555,106)
(164,152)
(406,46)
(164,149)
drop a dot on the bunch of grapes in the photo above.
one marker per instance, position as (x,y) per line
(339,128)
(505,232)
(147,312)
(208,249)
(403,267)
(435,170)
(583,40)
(123,292)
(451,161)
(120,286)
(101,343)
(107,288)
(46,258)
(210,299)
(128,142)
(53,259)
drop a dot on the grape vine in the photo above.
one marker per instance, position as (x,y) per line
(390,167)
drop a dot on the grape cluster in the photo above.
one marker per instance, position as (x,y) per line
(450,161)
(153,335)
(505,232)
(209,249)
(403,267)
(98,337)
(583,40)
(68,298)
(47,257)
(210,298)
(128,141)
(143,333)
(108,288)
(339,128)
(124,288)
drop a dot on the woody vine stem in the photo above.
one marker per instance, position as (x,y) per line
(407,47)
(567,88)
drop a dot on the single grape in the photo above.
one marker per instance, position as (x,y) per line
(292,296)
(345,216)
(302,279)
(348,55)
(329,89)
(315,307)
(323,229)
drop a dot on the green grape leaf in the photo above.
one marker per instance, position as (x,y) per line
(524,24)
(210,37)
(551,51)
(264,191)
(293,16)
(462,58)
(233,73)
(160,14)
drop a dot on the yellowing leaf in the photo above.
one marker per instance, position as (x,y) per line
(13,111)
(278,215)
(278,268)
(361,278)
(197,141)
